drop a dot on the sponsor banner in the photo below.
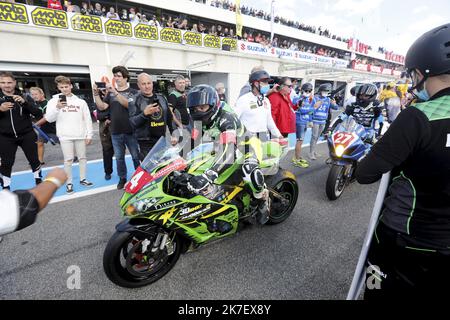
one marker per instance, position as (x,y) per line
(256,48)
(253,48)
(231,42)
(144,31)
(81,22)
(50,18)
(375,69)
(13,12)
(387,71)
(171,35)
(361,67)
(193,38)
(118,28)
(211,41)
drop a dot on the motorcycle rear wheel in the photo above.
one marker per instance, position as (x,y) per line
(285,184)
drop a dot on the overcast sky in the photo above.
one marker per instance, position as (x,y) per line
(390,24)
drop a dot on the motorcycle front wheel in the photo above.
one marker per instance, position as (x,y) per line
(336,182)
(130,262)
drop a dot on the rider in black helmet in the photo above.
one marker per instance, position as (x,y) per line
(225,129)
(412,244)
(365,110)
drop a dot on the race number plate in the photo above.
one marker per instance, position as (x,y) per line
(343,138)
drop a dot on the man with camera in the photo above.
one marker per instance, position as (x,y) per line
(150,115)
(116,101)
(16,129)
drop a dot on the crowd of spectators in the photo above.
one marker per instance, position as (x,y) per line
(378,63)
(195,24)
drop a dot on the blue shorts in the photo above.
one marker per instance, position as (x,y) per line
(301,131)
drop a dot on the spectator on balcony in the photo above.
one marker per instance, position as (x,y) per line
(219,31)
(98,10)
(112,14)
(275,42)
(194,28)
(85,9)
(250,38)
(154,22)
(72,7)
(170,23)
(54,4)
(232,35)
(213,30)
(124,15)
(183,25)
(202,28)
(258,38)
(144,19)
(134,16)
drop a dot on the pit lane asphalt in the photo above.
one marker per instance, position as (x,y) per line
(312,255)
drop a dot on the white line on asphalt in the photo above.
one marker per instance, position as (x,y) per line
(82,194)
(62,166)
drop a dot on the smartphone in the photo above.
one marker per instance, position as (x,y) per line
(101,85)
(62,98)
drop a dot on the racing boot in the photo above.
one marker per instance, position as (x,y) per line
(263,211)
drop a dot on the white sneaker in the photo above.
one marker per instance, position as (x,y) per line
(312,156)
(318,155)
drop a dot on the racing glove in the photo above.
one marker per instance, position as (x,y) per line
(199,184)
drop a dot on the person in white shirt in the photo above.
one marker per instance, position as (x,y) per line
(73,128)
(254,110)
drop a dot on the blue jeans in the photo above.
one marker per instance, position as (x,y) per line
(120,141)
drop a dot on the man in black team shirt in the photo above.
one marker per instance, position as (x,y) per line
(411,246)
(117,101)
(149,115)
(177,103)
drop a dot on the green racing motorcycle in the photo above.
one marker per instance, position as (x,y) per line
(165,219)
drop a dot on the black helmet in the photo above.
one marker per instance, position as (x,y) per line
(430,53)
(259,75)
(325,87)
(307,87)
(353,90)
(369,90)
(201,95)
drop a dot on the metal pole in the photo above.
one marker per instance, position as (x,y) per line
(360,273)
(271,21)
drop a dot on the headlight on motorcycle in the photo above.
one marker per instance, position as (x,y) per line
(339,150)
(130,210)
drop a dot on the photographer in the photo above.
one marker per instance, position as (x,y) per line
(116,101)
(150,115)
(16,129)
